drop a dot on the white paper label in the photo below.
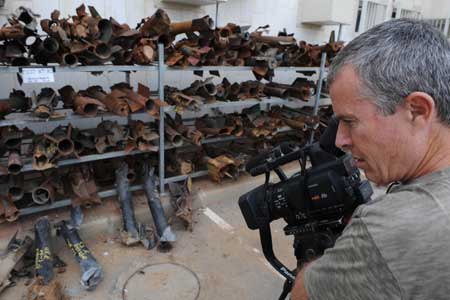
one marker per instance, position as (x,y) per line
(38,75)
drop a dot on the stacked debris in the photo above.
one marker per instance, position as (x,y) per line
(21,25)
(122,100)
(205,91)
(89,39)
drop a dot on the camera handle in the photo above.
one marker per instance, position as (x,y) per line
(266,242)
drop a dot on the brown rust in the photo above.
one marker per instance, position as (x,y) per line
(14,162)
(44,193)
(152,106)
(276,91)
(136,100)
(83,187)
(200,25)
(113,101)
(45,103)
(62,137)
(141,137)
(144,52)
(10,211)
(156,25)
(173,136)
(108,134)
(86,106)
(221,166)
(39,291)
(181,199)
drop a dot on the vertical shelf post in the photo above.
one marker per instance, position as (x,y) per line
(318,90)
(161,67)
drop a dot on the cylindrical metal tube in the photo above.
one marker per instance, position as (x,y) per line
(44,258)
(11,213)
(91,271)
(173,136)
(69,59)
(162,227)
(86,106)
(201,24)
(126,203)
(14,162)
(276,91)
(15,187)
(44,193)
(105,29)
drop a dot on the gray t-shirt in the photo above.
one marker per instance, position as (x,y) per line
(396,247)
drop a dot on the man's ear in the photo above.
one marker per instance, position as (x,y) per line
(420,107)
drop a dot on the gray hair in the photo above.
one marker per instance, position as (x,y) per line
(396,58)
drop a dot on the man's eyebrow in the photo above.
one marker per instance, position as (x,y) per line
(343,116)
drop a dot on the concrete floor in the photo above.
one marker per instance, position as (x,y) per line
(221,251)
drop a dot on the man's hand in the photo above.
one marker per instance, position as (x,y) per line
(298,290)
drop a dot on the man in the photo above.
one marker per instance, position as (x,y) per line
(390,89)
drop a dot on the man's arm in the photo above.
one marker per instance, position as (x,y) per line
(352,269)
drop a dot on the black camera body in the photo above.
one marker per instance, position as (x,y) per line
(316,202)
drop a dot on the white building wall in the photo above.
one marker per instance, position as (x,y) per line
(436,9)
(279,14)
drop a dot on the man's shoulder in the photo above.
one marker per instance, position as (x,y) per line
(406,202)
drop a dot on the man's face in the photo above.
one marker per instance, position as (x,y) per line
(381,145)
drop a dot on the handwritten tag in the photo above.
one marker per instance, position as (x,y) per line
(38,75)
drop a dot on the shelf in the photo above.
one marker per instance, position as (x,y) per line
(103,194)
(28,118)
(87,158)
(114,154)
(195,2)
(240,68)
(245,103)
(146,68)
(99,68)
(69,116)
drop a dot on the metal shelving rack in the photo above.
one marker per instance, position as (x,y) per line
(161,69)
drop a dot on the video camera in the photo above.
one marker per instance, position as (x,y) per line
(316,202)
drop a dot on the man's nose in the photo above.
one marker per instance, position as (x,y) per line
(343,140)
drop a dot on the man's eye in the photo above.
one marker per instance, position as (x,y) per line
(348,122)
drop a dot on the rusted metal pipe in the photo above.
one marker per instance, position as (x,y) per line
(181,199)
(108,134)
(276,91)
(132,233)
(166,236)
(83,186)
(86,106)
(44,256)
(14,162)
(222,166)
(173,136)
(44,151)
(44,193)
(152,106)
(142,137)
(91,271)
(15,187)
(10,211)
(157,25)
(45,103)
(114,101)
(202,24)
(17,101)
(61,136)
(69,59)
(105,30)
